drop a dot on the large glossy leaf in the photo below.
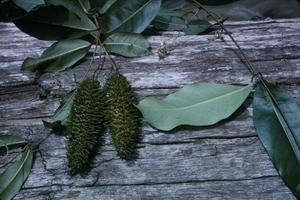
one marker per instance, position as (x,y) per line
(10,140)
(170,12)
(10,12)
(168,19)
(54,23)
(12,179)
(28,5)
(199,104)
(127,44)
(60,56)
(174,5)
(276,119)
(80,7)
(197,26)
(215,2)
(130,16)
(62,113)
(61,116)
(103,8)
(169,23)
(97,4)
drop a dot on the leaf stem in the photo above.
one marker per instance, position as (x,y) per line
(98,41)
(215,17)
(249,65)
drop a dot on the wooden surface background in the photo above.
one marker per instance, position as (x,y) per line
(226,161)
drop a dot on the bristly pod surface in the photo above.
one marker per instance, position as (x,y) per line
(86,125)
(121,115)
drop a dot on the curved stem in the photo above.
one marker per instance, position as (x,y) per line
(249,65)
(216,18)
(98,41)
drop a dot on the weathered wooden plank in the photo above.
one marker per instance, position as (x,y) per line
(216,190)
(272,46)
(225,161)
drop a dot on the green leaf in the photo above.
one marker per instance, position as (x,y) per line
(12,179)
(195,27)
(215,2)
(79,7)
(130,16)
(10,12)
(276,119)
(200,104)
(10,140)
(173,5)
(28,5)
(97,4)
(170,12)
(70,74)
(169,23)
(85,5)
(53,125)
(62,113)
(168,19)
(58,57)
(106,6)
(54,23)
(127,44)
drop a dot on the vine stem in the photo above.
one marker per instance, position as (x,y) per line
(254,73)
(212,15)
(248,63)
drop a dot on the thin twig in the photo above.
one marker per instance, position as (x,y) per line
(248,63)
(215,17)
(91,62)
(38,144)
(113,64)
(254,73)
(99,67)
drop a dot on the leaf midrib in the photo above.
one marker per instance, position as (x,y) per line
(63,25)
(131,16)
(213,99)
(46,58)
(56,115)
(125,44)
(173,24)
(284,124)
(12,143)
(17,172)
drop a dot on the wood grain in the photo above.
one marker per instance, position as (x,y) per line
(225,161)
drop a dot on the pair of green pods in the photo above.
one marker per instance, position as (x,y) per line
(94,110)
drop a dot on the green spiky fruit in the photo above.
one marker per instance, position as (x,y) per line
(86,125)
(121,115)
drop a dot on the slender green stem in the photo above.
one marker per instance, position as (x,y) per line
(249,65)
(83,7)
(92,60)
(98,41)
(216,18)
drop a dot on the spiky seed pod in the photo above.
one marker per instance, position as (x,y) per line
(86,125)
(121,115)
